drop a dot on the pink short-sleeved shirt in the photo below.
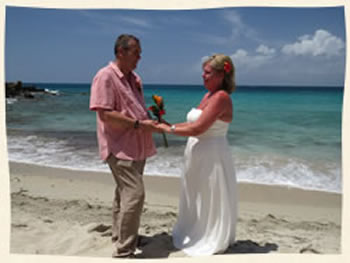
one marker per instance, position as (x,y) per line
(111,91)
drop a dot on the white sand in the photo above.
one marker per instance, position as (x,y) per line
(64,212)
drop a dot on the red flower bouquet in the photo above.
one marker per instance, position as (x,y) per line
(158,111)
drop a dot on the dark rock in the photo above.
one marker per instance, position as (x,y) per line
(16,89)
(28,95)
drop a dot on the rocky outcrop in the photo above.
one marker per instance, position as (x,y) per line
(17,89)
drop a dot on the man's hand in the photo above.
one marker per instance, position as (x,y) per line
(149,125)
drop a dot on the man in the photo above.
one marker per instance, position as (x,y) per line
(124,135)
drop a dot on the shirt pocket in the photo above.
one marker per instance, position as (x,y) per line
(130,105)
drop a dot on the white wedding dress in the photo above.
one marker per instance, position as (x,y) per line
(206,222)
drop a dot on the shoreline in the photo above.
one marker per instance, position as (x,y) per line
(176,177)
(295,220)
(158,192)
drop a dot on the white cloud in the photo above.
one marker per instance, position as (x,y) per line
(239,31)
(239,28)
(107,21)
(204,59)
(265,50)
(322,43)
(242,59)
(234,18)
(136,21)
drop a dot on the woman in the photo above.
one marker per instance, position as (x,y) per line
(207,209)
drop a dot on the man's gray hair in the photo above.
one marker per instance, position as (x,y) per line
(123,42)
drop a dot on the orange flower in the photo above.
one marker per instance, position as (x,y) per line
(158,100)
(158,109)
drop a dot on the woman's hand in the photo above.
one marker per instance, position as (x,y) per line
(164,127)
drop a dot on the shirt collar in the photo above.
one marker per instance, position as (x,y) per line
(119,72)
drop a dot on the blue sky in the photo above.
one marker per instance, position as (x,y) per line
(268,45)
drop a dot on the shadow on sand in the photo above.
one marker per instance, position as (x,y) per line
(161,246)
(248,246)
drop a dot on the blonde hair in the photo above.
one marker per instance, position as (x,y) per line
(217,62)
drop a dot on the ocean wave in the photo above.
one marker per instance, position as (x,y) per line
(293,172)
(265,168)
(52,92)
(11,100)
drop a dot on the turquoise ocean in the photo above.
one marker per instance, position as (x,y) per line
(280,135)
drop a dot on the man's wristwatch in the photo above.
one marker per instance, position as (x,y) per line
(136,124)
(172,128)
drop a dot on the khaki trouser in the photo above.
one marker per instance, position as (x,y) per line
(128,203)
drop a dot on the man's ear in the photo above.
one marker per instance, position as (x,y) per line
(121,52)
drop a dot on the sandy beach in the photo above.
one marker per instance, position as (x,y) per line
(58,211)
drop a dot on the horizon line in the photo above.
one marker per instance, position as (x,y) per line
(177,84)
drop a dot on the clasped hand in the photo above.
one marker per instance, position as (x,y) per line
(155,126)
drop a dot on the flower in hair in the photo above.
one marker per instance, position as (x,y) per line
(227,67)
